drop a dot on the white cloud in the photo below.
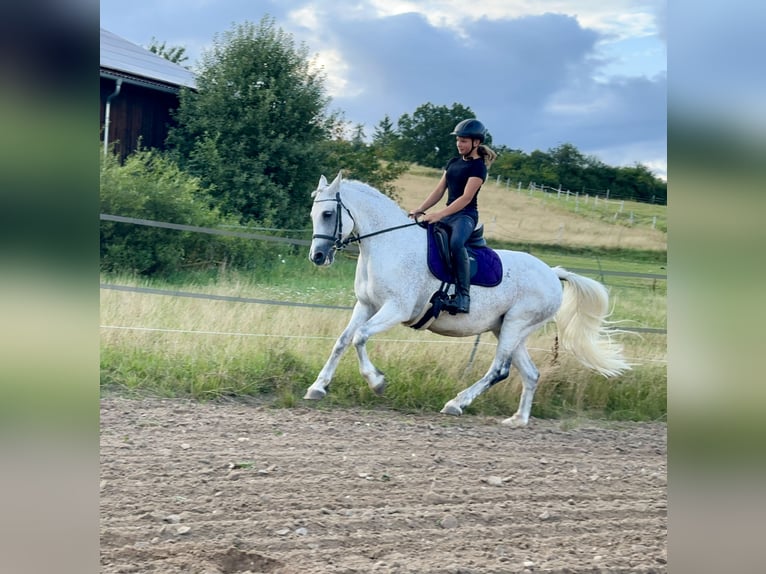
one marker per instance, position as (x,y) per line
(306,17)
(336,71)
(621,18)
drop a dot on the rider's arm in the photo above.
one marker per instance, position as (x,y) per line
(433,198)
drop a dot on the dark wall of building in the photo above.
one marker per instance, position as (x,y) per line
(138,114)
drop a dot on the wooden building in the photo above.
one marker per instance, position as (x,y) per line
(138,91)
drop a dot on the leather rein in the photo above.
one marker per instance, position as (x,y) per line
(339,242)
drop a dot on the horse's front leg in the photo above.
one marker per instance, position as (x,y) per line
(387,317)
(318,389)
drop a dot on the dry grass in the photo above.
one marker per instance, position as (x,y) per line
(518,217)
(204,348)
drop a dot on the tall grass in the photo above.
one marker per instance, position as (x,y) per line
(211,349)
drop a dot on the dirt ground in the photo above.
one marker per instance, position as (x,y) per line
(231,488)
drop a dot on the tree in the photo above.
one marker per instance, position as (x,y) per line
(385,139)
(639,184)
(568,164)
(252,129)
(360,161)
(176,54)
(425,136)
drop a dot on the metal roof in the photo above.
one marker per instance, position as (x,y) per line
(126,59)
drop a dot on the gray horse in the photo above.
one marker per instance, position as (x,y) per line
(393,286)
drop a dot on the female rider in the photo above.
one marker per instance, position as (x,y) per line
(462,178)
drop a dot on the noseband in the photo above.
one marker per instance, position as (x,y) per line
(337,238)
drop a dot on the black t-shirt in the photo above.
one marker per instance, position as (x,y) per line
(458,172)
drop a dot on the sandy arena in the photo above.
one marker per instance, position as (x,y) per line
(236,488)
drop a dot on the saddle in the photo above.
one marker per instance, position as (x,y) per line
(486,269)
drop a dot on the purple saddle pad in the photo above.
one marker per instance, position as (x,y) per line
(489,268)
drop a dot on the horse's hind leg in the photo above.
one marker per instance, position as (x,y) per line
(511,351)
(318,389)
(507,339)
(529,377)
(500,369)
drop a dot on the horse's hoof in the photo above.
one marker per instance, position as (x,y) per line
(379,389)
(514,421)
(452,409)
(314,394)
(376,381)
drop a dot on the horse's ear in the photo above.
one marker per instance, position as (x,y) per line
(322,181)
(338,178)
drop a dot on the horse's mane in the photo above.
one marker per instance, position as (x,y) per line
(375,194)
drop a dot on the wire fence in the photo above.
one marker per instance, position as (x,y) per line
(594,201)
(293,241)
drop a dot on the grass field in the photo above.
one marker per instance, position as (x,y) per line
(210,349)
(522,217)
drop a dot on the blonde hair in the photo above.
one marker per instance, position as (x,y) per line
(487,153)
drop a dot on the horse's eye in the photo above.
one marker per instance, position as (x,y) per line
(327,214)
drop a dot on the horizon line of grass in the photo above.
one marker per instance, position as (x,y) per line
(280,377)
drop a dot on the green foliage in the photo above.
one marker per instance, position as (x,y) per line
(282,376)
(200,377)
(250,131)
(638,395)
(565,165)
(175,54)
(385,140)
(425,138)
(151,186)
(361,161)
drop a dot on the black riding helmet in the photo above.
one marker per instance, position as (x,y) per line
(470,128)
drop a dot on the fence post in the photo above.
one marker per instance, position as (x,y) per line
(473,354)
(600,271)
(654,222)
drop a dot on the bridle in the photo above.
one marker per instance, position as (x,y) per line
(337,238)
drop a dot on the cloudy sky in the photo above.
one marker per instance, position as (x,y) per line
(538,74)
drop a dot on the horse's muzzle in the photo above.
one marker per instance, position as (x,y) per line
(320,257)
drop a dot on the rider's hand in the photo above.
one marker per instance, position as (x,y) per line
(415,213)
(431,217)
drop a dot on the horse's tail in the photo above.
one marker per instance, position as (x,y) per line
(582,321)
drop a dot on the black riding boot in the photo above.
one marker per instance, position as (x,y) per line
(462,267)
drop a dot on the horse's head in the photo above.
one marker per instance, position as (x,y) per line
(331,220)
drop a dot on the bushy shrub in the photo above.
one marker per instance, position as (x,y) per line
(150,186)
